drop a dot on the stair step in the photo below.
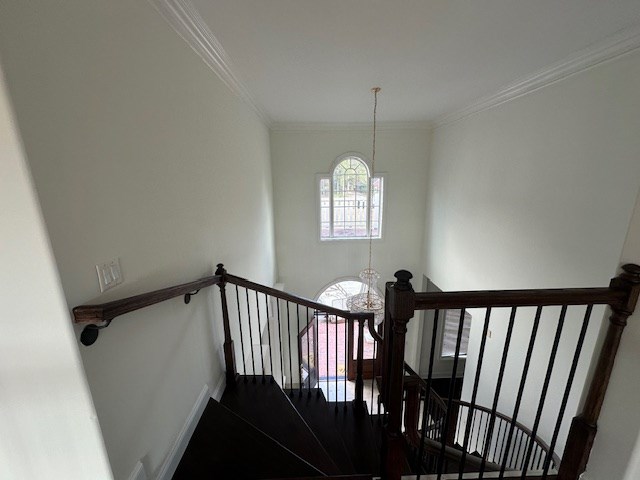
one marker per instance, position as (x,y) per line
(226,446)
(265,405)
(355,428)
(315,410)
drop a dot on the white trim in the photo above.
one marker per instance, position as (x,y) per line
(621,43)
(172,459)
(138,472)
(345,126)
(187,22)
(218,390)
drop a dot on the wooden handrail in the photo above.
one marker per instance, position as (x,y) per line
(527,431)
(520,298)
(105,312)
(414,377)
(274,292)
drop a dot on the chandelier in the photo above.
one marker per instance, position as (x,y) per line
(369,299)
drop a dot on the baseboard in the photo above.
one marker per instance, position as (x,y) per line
(218,390)
(177,450)
(138,472)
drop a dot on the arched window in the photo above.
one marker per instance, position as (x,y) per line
(347,208)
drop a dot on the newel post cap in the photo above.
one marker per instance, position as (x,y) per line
(403,278)
(631,272)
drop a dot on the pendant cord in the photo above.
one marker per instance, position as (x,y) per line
(375,91)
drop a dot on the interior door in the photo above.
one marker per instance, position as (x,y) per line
(308,353)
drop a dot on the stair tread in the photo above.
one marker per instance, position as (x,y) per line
(213,451)
(315,410)
(266,406)
(355,428)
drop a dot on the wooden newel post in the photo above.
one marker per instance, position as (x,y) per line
(229,354)
(401,298)
(584,426)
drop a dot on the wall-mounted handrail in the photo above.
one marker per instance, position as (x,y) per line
(99,316)
(519,298)
(105,312)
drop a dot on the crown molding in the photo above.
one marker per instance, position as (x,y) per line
(346,126)
(621,43)
(187,22)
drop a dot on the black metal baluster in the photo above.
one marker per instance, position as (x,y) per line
(523,380)
(526,439)
(280,342)
(328,378)
(290,352)
(309,330)
(336,376)
(470,430)
(299,351)
(349,324)
(496,397)
(452,385)
(373,376)
(545,387)
(260,336)
(266,304)
(244,361)
(476,381)
(427,398)
(499,450)
(567,390)
(253,359)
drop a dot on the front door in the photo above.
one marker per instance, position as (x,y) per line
(370,364)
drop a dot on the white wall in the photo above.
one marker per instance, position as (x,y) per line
(306,265)
(616,451)
(48,422)
(536,193)
(140,152)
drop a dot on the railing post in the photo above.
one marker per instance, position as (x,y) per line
(358,401)
(229,354)
(401,298)
(584,426)
(412,390)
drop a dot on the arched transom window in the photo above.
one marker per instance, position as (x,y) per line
(347,208)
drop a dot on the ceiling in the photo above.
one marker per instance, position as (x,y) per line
(314,61)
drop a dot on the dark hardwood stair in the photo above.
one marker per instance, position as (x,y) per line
(354,425)
(261,402)
(225,446)
(317,413)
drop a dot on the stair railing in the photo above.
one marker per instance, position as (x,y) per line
(424,417)
(287,332)
(401,304)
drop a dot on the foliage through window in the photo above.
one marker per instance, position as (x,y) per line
(346,206)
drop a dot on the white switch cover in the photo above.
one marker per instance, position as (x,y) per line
(109,274)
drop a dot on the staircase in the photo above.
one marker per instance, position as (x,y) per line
(260,431)
(273,422)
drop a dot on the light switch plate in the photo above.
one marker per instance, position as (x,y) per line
(109,274)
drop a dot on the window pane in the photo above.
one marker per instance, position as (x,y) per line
(345,202)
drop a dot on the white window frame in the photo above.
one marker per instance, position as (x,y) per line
(329,176)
